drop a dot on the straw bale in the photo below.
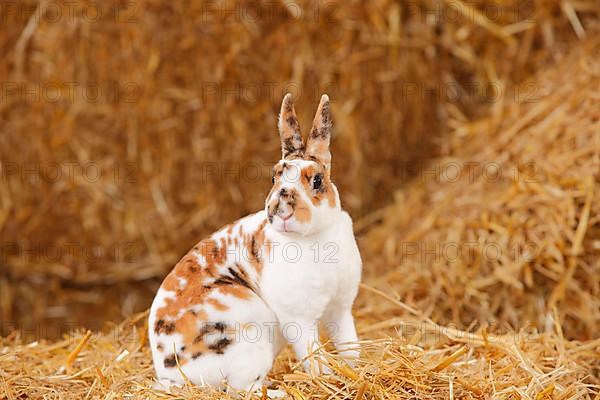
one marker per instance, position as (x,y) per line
(441,363)
(515,236)
(155,127)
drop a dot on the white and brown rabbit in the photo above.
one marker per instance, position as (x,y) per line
(227,308)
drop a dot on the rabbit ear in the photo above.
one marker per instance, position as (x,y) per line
(317,145)
(292,144)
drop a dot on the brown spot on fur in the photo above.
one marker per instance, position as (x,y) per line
(207,333)
(292,147)
(302,212)
(236,276)
(208,327)
(160,347)
(217,304)
(220,346)
(171,283)
(292,122)
(240,276)
(316,133)
(163,327)
(190,295)
(170,362)
(254,243)
(186,324)
(238,291)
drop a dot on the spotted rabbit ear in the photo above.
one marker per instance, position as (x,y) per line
(317,145)
(292,144)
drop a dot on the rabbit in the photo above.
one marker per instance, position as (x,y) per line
(235,299)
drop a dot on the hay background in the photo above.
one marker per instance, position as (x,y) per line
(550,213)
(363,57)
(169,133)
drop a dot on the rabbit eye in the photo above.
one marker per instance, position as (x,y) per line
(273,179)
(317,181)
